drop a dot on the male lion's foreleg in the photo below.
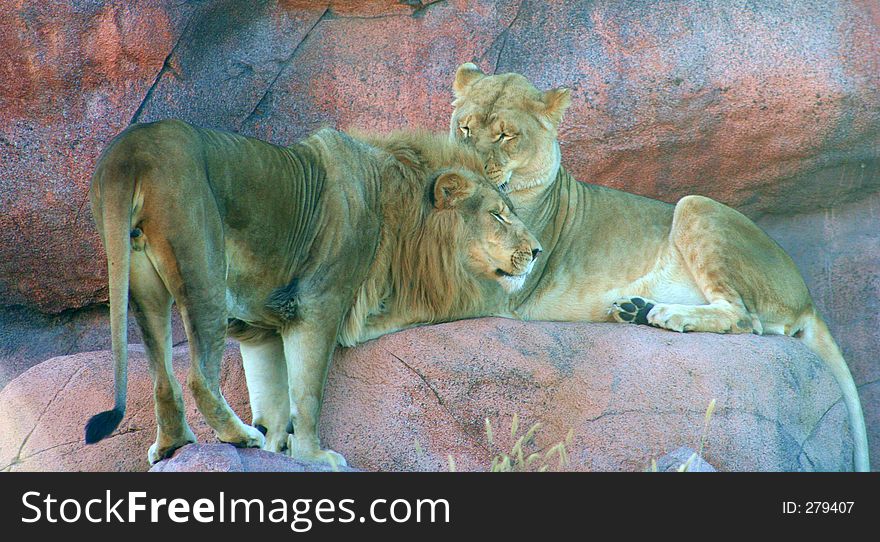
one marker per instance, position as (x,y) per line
(151,305)
(266,373)
(308,348)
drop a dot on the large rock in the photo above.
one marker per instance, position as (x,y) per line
(772,107)
(227,458)
(410,400)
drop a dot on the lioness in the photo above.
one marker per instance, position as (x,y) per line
(298,248)
(613,256)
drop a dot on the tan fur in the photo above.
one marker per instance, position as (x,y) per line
(703,265)
(332,240)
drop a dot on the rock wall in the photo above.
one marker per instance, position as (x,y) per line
(772,107)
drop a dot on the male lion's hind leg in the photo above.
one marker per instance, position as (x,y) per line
(199,289)
(204,382)
(720,316)
(151,305)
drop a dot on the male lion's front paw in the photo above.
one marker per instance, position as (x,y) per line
(631,310)
(315,455)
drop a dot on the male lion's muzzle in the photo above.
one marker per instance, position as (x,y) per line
(522,262)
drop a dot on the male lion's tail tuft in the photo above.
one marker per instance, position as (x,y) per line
(101,425)
(818,338)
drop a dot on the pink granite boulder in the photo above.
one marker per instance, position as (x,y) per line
(410,400)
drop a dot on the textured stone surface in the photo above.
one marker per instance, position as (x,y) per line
(73,75)
(28,337)
(767,106)
(411,399)
(227,458)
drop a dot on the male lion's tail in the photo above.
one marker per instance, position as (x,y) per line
(818,339)
(112,193)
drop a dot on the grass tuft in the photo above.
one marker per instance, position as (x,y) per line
(523,455)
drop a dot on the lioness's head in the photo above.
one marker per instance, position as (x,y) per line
(493,240)
(512,125)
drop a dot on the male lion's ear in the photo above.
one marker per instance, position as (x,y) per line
(556,101)
(449,189)
(466,75)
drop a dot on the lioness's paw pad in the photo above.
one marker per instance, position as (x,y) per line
(631,310)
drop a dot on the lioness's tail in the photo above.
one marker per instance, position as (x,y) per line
(112,193)
(818,339)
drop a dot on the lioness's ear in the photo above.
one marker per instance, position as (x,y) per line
(466,75)
(556,101)
(449,189)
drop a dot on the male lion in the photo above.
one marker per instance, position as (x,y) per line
(297,248)
(613,256)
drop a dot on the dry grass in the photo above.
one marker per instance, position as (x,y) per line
(524,455)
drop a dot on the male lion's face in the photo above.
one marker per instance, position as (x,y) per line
(511,124)
(497,245)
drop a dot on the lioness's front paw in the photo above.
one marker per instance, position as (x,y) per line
(631,310)
(673,318)
(163,447)
(315,455)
